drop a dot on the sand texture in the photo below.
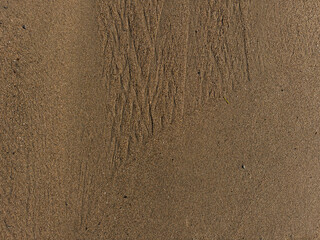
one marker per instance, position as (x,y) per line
(160,119)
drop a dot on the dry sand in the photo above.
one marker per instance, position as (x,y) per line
(159,119)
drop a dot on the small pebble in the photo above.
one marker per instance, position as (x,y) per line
(243,166)
(24,27)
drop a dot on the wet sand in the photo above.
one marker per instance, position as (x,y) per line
(159,119)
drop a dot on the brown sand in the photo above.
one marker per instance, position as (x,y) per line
(159,119)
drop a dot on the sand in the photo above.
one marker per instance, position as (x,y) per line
(159,119)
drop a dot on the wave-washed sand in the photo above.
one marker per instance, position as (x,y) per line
(159,119)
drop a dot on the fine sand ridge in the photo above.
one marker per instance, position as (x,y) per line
(164,59)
